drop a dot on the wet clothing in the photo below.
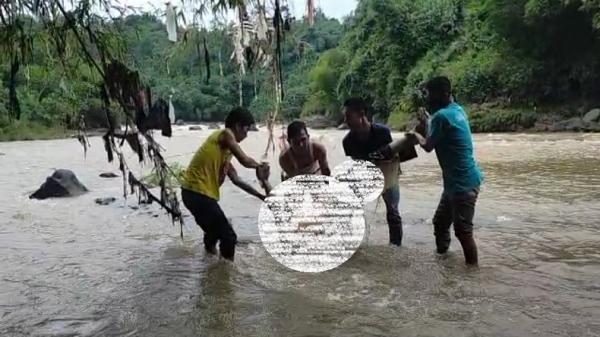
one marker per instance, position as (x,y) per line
(357,148)
(200,193)
(208,168)
(391,198)
(457,209)
(450,134)
(210,217)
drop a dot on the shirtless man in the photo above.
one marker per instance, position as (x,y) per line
(302,156)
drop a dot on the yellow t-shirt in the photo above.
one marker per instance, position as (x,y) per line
(208,168)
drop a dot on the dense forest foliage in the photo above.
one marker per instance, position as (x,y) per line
(51,92)
(510,61)
(523,56)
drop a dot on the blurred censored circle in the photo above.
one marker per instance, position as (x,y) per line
(364,178)
(311,223)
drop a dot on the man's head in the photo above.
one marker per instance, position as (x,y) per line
(239,121)
(298,135)
(438,93)
(355,114)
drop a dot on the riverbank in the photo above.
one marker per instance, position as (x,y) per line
(25,130)
(499,119)
(483,119)
(496,117)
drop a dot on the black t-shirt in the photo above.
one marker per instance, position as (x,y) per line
(356,148)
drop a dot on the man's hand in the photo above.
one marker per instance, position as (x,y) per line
(416,138)
(262,174)
(263,171)
(412,136)
(423,118)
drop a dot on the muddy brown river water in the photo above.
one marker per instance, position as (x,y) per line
(69,267)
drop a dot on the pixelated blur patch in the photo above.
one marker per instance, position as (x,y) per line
(364,178)
(312,223)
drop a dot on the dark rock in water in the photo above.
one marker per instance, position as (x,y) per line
(135,208)
(594,127)
(62,183)
(343,126)
(180,122)
(592,116)
(213,126)
(541,126)
(195,128)
(573,124)
(319,122)
(105,201)
(108,175)
(253,128)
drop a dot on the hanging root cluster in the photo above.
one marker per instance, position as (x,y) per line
(257,38)
(142,117)
(258,42)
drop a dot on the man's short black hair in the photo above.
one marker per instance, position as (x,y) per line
(357,105)
(295,128)
(439,84)
(239,116)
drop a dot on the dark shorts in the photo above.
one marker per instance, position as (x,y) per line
(454,209)
(210,217)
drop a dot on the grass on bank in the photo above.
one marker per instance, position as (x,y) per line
(27,130)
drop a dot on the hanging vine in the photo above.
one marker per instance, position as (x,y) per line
(78,28)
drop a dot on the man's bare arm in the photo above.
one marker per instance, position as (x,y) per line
(228,141)
(237,181)
(286,165)
(424,142)
(262,174)
(322,158)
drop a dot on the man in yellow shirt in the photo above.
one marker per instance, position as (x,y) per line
(205,174)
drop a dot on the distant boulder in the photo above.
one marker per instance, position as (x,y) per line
(62,183)
(594,127)
(108,175)
(179,122)
(572,124)
(592,116)
(195,128)
(319,122)
(213,126)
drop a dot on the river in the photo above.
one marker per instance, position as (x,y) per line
(69,267)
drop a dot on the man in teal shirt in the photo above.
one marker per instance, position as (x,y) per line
(449,134)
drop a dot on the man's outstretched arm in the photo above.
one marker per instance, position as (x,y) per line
(237,181)
(228,141)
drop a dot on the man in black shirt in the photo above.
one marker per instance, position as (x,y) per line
(364,139)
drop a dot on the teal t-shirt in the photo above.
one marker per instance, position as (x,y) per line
(450,134)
